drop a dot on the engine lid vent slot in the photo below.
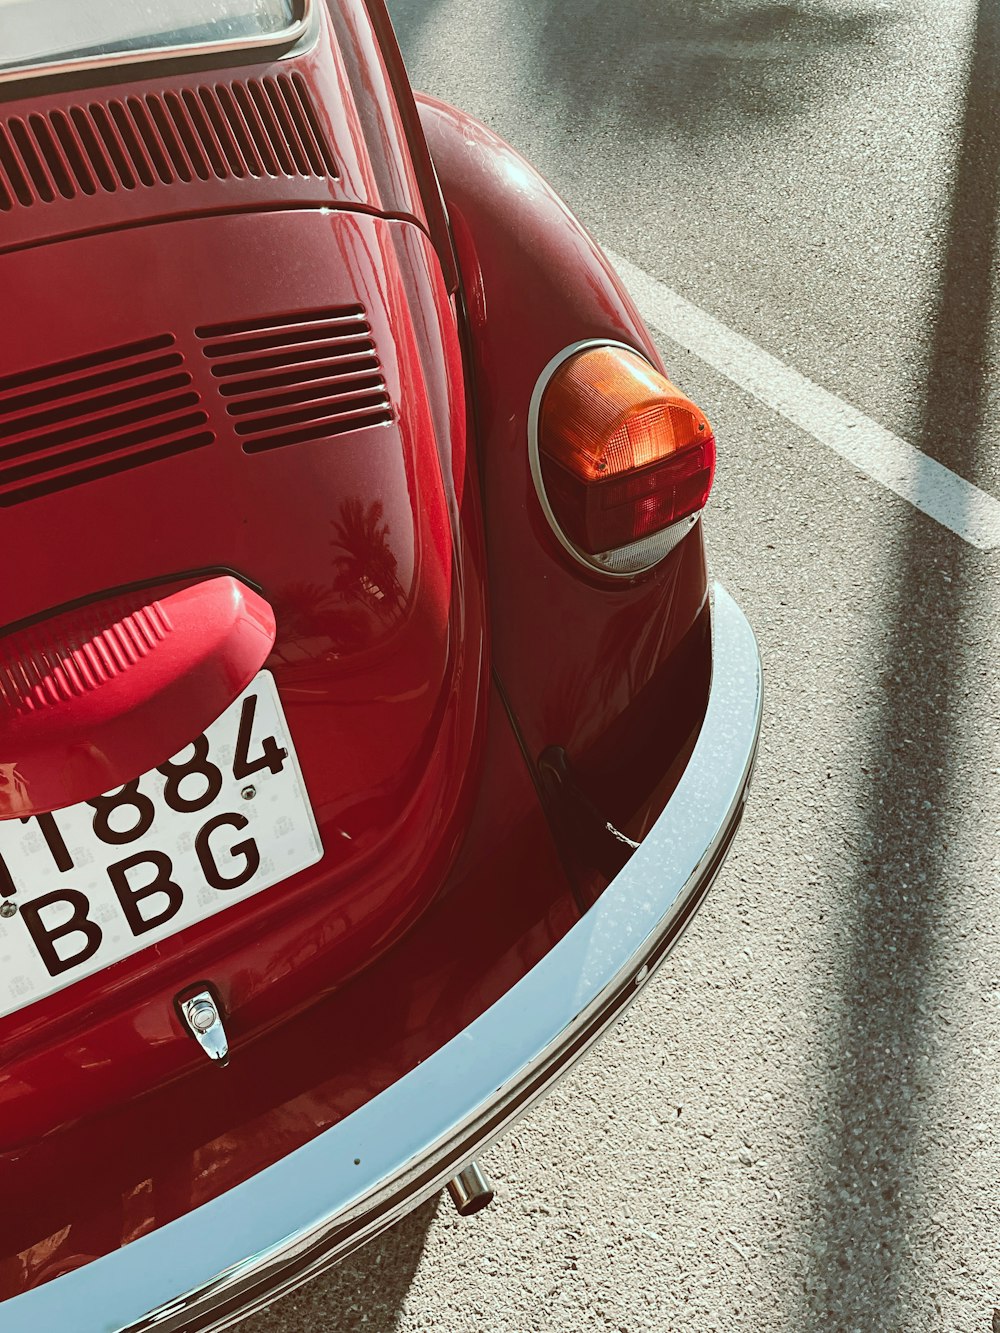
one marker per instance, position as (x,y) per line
(252,128)
(293,378)
(94,415)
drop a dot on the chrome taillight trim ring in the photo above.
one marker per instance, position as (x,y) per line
(662,542)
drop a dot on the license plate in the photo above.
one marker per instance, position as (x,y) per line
(225,818)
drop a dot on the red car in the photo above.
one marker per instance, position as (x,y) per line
(369,727)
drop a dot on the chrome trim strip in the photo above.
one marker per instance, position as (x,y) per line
(662,542)
(269,42)
(325,1199)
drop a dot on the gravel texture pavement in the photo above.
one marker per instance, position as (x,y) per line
(796,1125)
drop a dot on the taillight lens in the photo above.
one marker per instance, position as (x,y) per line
(622,455)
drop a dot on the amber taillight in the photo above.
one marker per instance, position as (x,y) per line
(623,456)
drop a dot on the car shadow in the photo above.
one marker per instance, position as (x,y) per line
(870,1191)
(363,1293)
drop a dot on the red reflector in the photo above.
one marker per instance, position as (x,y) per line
(623,453)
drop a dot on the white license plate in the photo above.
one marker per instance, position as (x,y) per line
(86,886)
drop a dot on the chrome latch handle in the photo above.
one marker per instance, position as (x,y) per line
(202,1016)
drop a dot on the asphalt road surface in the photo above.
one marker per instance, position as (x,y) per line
(796,1127)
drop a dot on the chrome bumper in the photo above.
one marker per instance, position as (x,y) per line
(230,1257)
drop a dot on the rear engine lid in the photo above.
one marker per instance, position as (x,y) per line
(276,399)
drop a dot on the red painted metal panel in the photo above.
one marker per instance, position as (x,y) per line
(616,637)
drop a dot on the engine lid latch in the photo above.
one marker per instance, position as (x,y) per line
(202,1016)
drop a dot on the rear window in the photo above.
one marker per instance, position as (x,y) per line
(43,32)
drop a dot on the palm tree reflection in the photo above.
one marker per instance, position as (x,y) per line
(366,566)
(363,595)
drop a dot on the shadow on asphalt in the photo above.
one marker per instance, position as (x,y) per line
(959,371)
(868,1218)
(408,17)
(366,1291)
(696,66)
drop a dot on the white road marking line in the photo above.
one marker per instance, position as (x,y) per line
(932,488)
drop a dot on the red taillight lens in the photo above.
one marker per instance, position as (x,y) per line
(623,453)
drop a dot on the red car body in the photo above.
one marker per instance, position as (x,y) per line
(266,375)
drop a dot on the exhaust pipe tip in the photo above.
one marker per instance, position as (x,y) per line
(471,1190)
